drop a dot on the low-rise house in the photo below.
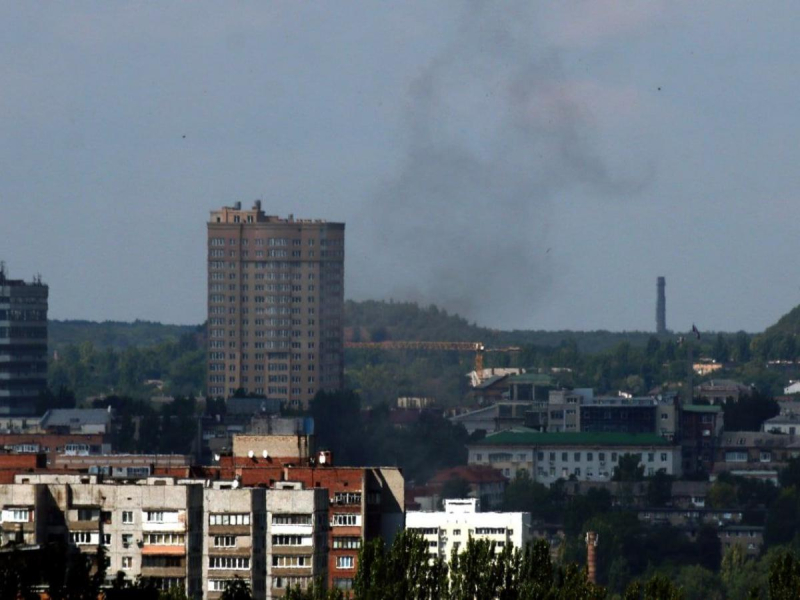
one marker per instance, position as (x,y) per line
(755,454)
(684,494)
(548,457)
(749,537)
(76,420)
(485,484)
(496,417)
(792,388)
(449,530)
(718,391)
(788,424)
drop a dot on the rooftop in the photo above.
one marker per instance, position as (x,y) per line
(513,438)
(470,474)
(701,408)
(71,417)
(535,378)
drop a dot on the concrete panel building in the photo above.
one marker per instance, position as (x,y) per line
(23,344)
(448,531)
(275,305)
(297,543)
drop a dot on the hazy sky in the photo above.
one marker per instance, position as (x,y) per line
(532,165)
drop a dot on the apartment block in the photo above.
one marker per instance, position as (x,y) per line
(448,531)
(190,533)
(23,344)
(363,502)
(234,538)
(297,543)
(275,305)
(548,457)
(149,529)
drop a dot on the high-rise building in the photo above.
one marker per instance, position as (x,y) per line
(23,344)
(275,305)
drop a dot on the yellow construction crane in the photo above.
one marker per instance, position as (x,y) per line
(477,347)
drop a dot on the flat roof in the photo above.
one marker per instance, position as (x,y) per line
(701,408)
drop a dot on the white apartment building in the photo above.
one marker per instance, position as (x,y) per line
(448,531)
(548,457)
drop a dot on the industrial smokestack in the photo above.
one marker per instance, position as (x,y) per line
(591,555)
(661,307)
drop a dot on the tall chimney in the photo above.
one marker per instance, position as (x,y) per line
(591,555)
(661,307)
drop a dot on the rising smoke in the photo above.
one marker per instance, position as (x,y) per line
(494,136)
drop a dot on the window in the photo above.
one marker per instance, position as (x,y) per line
(347,543)
(127,562)
(347,497)
(17,515)
(651,456)
(589,456)
(127,516)
(87,514)
(291,562)
(232,563)
(154,516)
(291,519)
(127,540)
(106,539)
(164,539)
(766,456)
(82,538)
(736,456)
(343,584)
(291,540)
(577,457)
(664,457)
(345,562)
(348,520)
(564,456)
(224,541)
(229,519)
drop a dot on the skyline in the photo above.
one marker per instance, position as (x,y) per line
(553,160)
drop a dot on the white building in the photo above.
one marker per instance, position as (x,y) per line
(449,530)
(792,388)
(590,456)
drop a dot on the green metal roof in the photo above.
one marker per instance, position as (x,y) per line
(701,408)
(511,438)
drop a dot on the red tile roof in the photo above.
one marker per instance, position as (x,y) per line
(470,474)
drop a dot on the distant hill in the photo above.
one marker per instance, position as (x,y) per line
(114,334)
(373,320)
(787,324)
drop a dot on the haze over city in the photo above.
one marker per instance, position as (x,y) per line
(531,167)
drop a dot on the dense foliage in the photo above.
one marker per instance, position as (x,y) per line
(482,571)
(92,371)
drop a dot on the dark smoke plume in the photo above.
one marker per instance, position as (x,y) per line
(494,136)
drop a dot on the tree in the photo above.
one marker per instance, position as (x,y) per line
(659,489)
(628,468)
(709,549)
(722,495)
(456,487)
(790,476)
(784,577)
(237,589)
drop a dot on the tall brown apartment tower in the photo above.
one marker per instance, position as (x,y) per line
(275,305)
